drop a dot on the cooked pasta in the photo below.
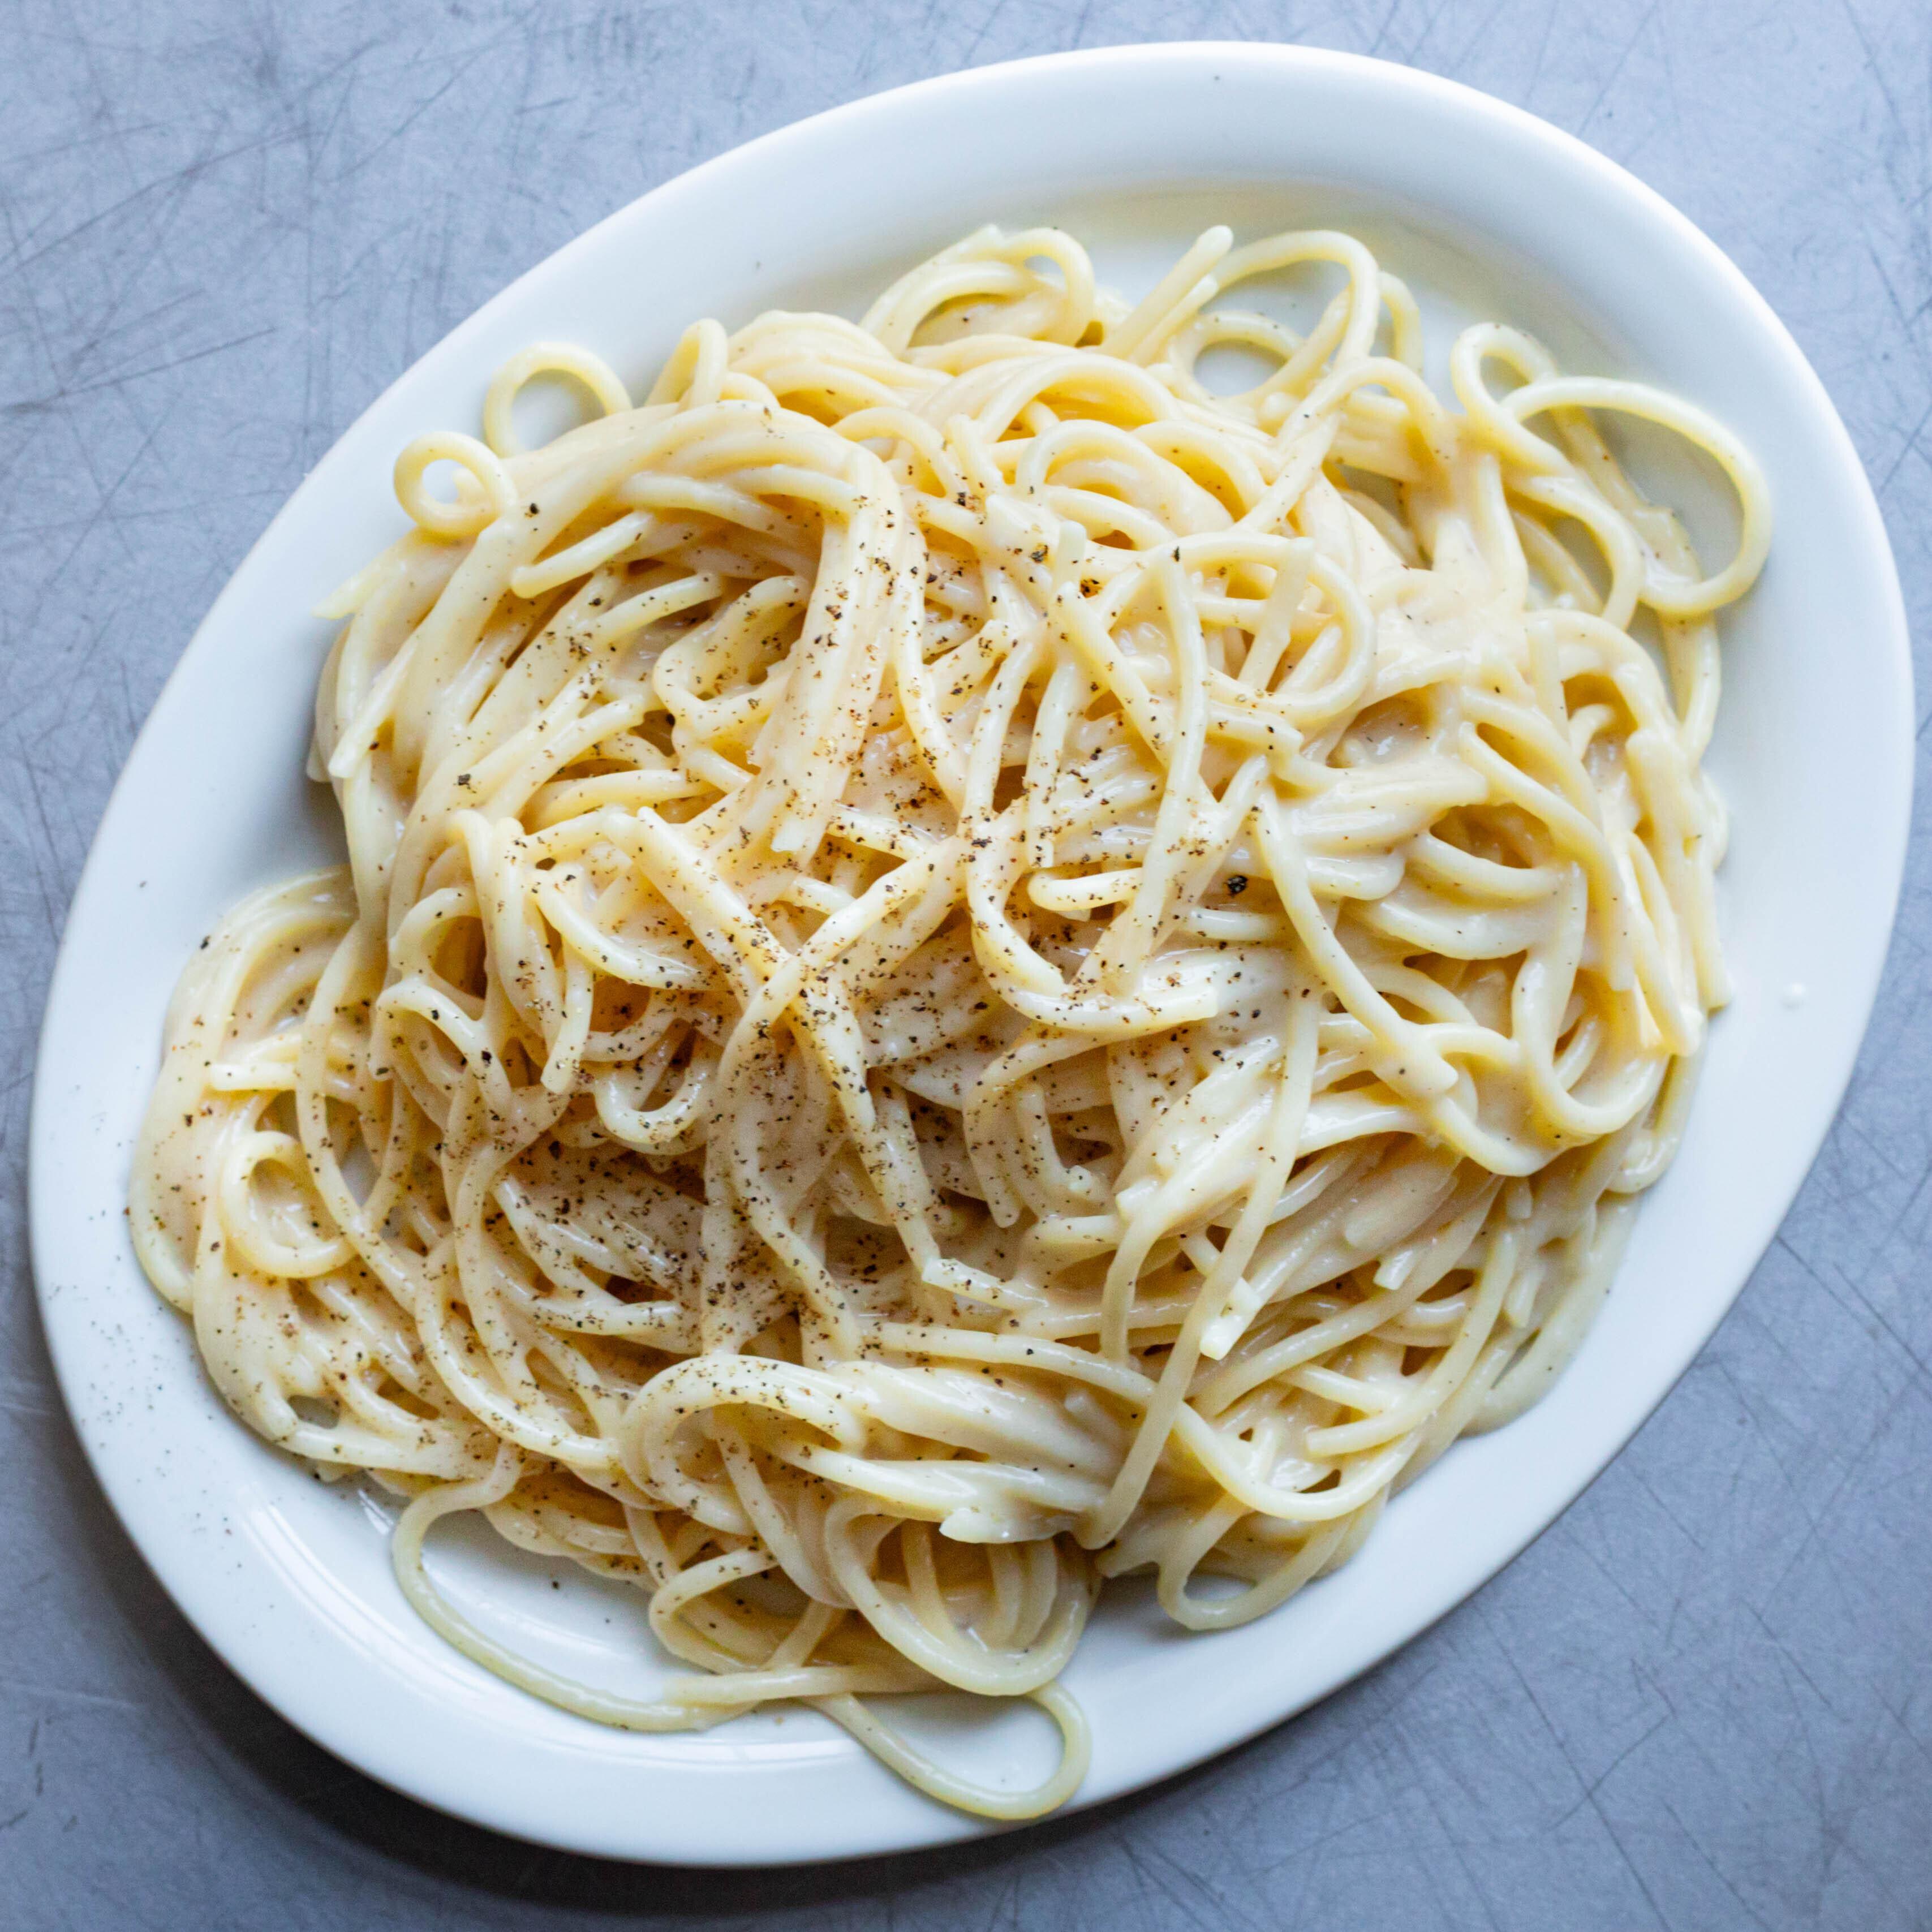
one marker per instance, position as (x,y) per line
(964,966)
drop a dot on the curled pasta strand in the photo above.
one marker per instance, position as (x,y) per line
(486,494)
(548,358)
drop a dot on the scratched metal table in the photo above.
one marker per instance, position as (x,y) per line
(1703,1700)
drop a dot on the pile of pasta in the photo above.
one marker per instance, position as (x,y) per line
(965,967)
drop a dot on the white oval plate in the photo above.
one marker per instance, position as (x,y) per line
(1484,209)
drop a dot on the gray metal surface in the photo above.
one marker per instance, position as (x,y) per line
(1703,1700)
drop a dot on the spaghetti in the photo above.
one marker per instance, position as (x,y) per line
(964,966)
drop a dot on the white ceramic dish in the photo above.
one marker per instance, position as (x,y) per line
(1483,209)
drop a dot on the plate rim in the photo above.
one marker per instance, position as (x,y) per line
(1293,63)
